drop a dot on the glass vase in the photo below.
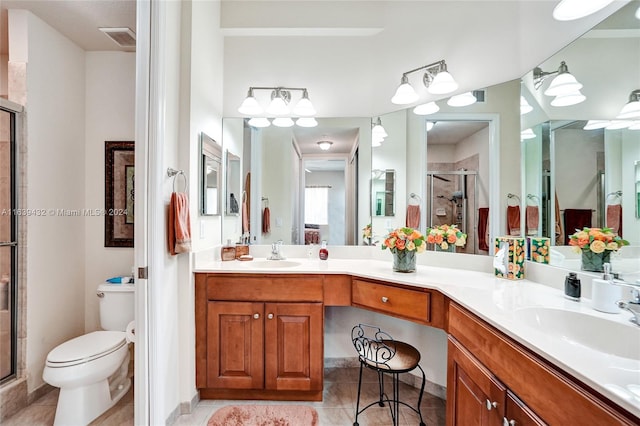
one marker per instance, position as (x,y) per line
(451,248)
(404,261)
(594,261)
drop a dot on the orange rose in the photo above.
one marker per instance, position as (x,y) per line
(451,238)
(400,244)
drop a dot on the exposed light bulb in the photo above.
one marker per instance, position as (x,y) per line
(325,145)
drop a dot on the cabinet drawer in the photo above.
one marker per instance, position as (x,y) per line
(270,288)
(400,302)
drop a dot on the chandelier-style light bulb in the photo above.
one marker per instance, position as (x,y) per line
(563,83)
(568,99)
(250,105)
(568,10)
(378,130)
(259,122)
(278,105)
(405,94)
(442,84)
(306,122)
(464,99)
(304,108)
(283,122)
(631,108)
(596,124)
(525,107)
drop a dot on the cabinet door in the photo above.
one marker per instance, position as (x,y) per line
(294,350)
(474,396)
(235,345)
(518,414)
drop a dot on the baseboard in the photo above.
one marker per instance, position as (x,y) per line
(188,406)
(408,378)
(13,398)
(41,391)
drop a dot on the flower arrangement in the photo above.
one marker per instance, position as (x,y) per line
(404,239)
(444,236)
(597,240)
(366,233)
(596,245)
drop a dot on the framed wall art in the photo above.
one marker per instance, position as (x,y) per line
(119,193)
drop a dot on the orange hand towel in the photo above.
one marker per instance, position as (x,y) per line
(532,214)
(179,224)
(614,218)
(413,216)
(266,220)
(513,220)
(245,217)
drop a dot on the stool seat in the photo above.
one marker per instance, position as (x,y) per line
(378,351)
(406,357)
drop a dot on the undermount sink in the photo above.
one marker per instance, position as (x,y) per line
(273,264)
(597,333)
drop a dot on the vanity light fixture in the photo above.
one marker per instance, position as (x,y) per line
(527,134)
(436,79)
(430,125)
(426,109)
(525,107)
(378,133)
(462,100)
(279,105)
(325,144)
(631,108)
(564,85)
(569,10)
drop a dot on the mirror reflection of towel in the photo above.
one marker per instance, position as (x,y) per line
(413,216)
(266,220)
(575,220)
(532,214)
(513,220)
(483,227)
(614,218)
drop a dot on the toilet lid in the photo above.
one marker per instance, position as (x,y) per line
(86,348)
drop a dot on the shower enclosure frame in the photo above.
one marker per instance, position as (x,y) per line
(16,290)
(430,174)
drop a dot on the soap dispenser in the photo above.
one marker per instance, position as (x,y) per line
(604,294)
(323,254)
(572,287)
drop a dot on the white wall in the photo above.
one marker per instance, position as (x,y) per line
(109,109)
(55,264)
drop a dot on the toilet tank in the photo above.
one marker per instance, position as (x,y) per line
(117,304)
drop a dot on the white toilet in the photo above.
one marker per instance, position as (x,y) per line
(92,370)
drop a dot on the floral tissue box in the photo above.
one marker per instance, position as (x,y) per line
(538,249)
(508,261)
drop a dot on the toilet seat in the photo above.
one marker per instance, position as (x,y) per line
(86,348)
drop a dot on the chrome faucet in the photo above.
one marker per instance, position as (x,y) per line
(632,305)
(276,251)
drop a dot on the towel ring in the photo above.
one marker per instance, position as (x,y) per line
(510,196)
(533,198)
(175,173)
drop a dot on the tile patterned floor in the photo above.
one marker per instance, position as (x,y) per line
(336,409)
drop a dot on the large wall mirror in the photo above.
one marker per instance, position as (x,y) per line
(577,172)
(211,176)
(310,193)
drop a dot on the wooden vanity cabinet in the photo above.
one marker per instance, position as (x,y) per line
(482,360)
(263,336)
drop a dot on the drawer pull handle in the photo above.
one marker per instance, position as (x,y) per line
(506,422)
(385,299)
(256,316)
(270,316)
(491,405)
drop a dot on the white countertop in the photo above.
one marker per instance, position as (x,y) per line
(500,302)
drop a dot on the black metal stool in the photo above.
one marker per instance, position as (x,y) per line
(378,351)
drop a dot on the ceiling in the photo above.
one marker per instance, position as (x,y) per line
(360,48)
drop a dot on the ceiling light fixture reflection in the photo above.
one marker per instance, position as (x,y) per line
(426,109)
(525,107)
(462,100)
(564,85)
(527,134)
(631,108)
(306,122)
(378,130)
(568,10)
(259,122)
(436,79)
(619,124)
(283,122)
(325,145)
(430,125)
(635,125)
(596,124)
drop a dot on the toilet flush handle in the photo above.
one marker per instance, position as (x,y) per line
(100,294)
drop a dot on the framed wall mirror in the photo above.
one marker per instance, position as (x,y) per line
(383,183)
(211,177)
(233,194)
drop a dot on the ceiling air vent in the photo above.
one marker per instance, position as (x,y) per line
(480,96)
(123,37)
